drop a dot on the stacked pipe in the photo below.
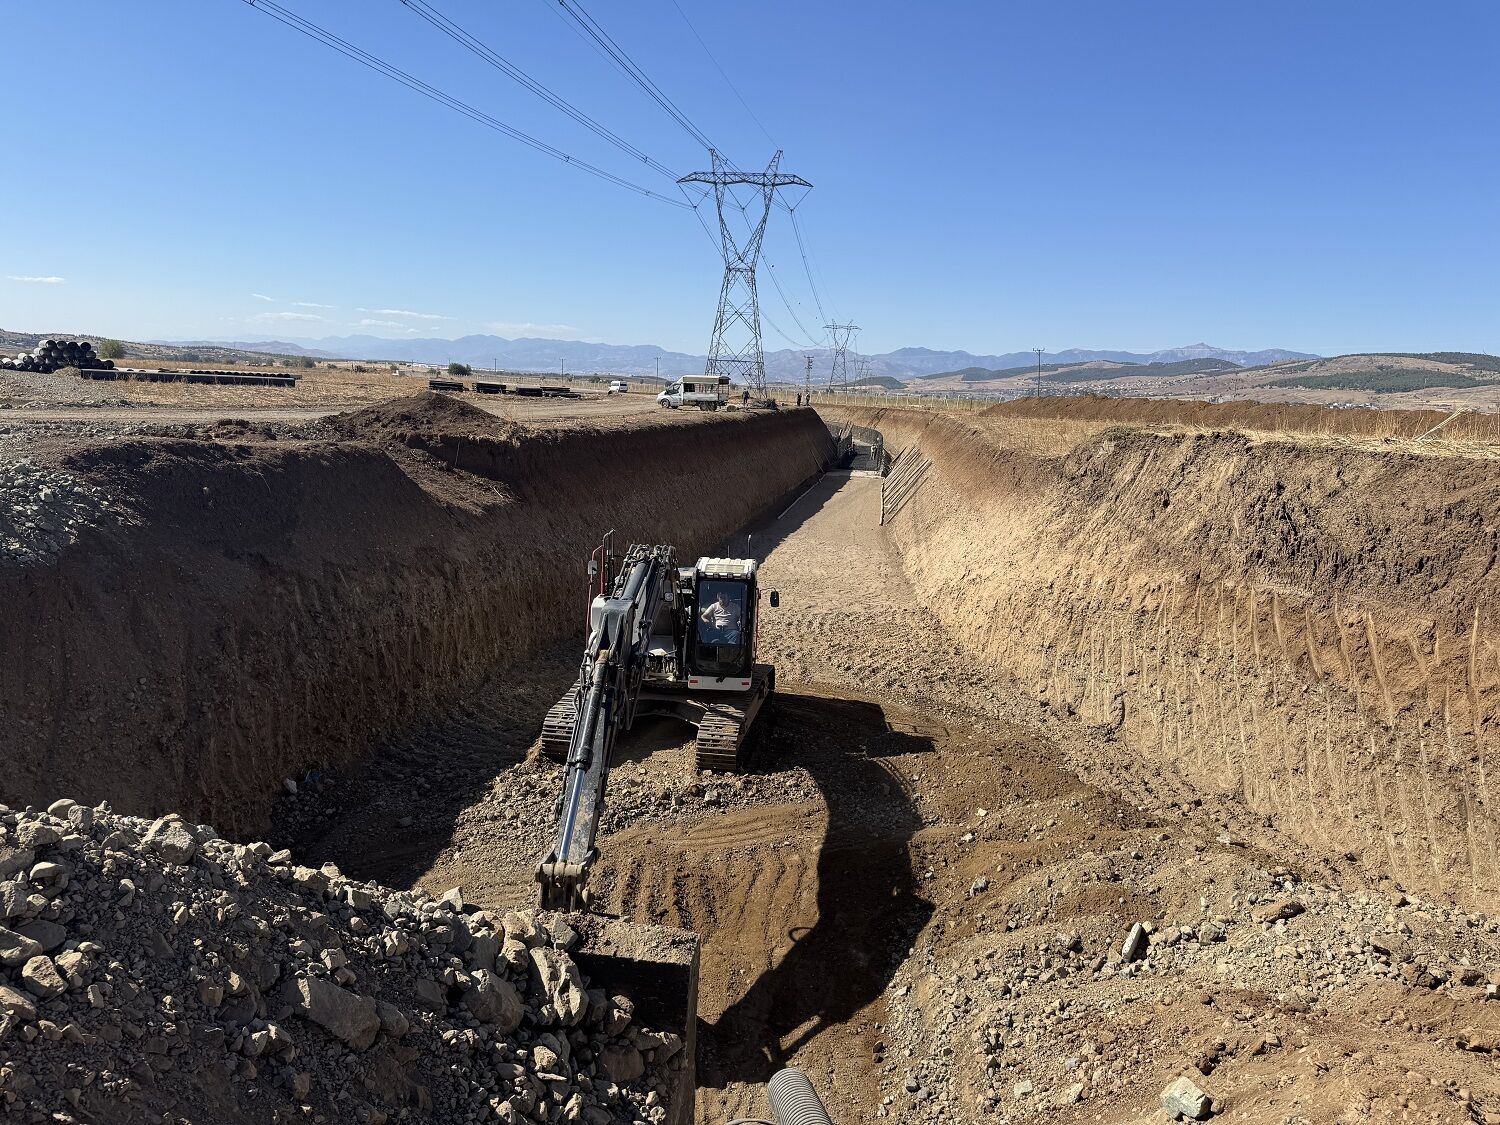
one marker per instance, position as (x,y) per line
(49,355)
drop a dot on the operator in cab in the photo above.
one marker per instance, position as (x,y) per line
(722,620)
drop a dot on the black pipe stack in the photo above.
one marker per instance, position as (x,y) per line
(49,355)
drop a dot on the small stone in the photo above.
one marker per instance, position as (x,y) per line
(17,1004)
(41,978)
(49,935)
(558,978)
(621,1063)
(1136,944)
(432,995)
(1184,1099)
(170,838)
(1279,910)
(350,1017)
(393,1020)
(494,1000)
(16,949)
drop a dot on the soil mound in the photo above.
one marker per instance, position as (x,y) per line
(152,969)
(428,412)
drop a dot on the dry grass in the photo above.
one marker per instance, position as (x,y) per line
(1052,426)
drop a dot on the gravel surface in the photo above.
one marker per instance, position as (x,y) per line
(31,390)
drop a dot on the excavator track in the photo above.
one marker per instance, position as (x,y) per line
(557,727)
(724,730)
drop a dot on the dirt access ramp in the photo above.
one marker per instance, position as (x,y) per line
(1308,626)
(243,604)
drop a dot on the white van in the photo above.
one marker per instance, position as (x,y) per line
(706,392)
(618,386)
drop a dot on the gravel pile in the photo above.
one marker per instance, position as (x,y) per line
(42,511)
(39,390)
(153,971)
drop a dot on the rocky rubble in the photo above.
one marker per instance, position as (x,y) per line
(153,971)
(1057,1006)
(43,509)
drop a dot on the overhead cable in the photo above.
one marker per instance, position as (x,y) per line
(471,43)
(380,66)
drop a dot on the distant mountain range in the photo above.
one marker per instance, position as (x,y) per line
(579,357)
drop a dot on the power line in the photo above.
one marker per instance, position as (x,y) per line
(806,265)
(380,66)
(476,46)
(727,80)
(592,29)
(602,42)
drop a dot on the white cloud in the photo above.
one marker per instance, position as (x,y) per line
(262,297)
(40,280)
(310,305)
(368,323)
(409,313)
(527,328)
(270,316)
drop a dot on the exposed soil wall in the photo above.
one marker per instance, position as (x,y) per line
(270,605)
(1308,627)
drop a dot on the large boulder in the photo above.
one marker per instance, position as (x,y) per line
(557,978)
(343,1014)
(494,1000)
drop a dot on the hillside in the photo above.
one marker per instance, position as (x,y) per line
(786,365)
(12,342)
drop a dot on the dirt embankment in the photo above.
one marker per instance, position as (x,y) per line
(263,606)
(1309,628)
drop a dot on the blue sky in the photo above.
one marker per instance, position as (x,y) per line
(989,176)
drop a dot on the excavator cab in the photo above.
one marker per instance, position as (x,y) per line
(724,598)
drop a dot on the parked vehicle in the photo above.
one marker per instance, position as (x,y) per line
(706,392)
(618,386)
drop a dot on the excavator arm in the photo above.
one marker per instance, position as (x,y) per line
(610,680)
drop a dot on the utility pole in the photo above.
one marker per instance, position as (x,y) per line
(807,382)
(657,360)
(735,348)
(839,376)
(1038,371)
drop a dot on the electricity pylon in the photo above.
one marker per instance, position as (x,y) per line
(838,378)
(735,349)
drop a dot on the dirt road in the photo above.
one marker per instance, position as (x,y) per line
(921,893)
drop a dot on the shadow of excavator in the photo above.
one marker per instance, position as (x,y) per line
(869,910)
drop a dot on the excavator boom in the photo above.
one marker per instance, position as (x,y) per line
(604,698)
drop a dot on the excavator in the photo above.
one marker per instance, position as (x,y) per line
(663,639)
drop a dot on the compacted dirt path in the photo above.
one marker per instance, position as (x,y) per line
(924,893)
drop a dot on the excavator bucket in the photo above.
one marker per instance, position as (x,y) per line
(657,967)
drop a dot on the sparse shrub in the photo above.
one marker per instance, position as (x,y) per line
(110,349)
(459,370)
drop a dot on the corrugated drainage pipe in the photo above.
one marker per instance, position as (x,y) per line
(794,1101)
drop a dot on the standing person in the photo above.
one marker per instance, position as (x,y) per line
(799,399)
(745,398)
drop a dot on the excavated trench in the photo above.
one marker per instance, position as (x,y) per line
(1286,615)
(265,605)
(1050,677)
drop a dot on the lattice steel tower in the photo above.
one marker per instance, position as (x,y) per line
(735,349)
(838,378)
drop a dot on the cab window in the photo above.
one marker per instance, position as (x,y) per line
(721,612)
